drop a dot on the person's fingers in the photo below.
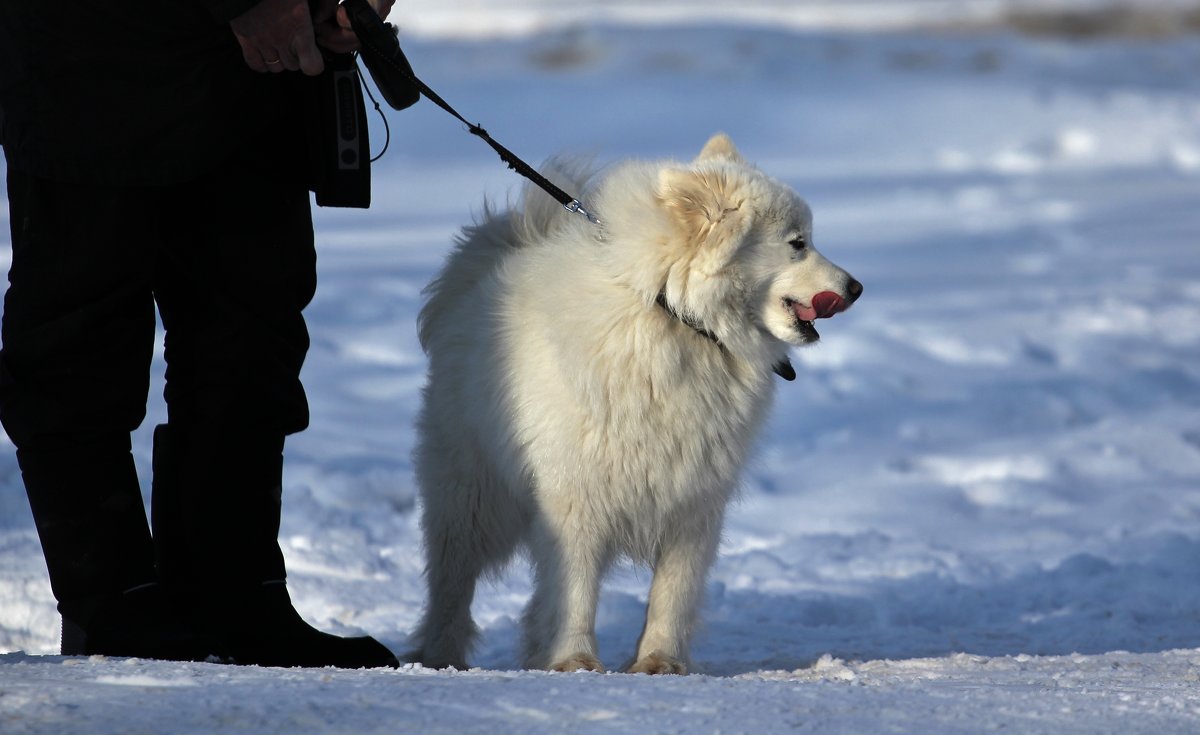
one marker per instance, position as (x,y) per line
(265,59)
(329,27)
(337,33)
(277,36)
(286,60)
(336,39)
(383,7)
(309,58)
(252,56)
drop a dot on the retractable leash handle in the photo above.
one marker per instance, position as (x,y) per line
(380,51)
(382,55)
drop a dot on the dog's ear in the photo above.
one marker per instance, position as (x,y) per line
(720,146)
(701,200)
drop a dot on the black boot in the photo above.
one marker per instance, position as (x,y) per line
(216,512)
(259,626)
(88,510)
(141,623)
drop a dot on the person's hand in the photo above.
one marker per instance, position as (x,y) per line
(333,25)
(277,35)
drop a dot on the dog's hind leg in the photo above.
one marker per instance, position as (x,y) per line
(679,573)
(468,532)
(560,622)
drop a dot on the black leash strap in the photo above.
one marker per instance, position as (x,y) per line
(399,84)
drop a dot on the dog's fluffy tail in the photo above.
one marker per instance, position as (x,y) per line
(480,247)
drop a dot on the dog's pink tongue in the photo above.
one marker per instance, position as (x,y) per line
(827,303)
(803,313)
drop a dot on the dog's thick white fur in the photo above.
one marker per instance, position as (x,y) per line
(569,413)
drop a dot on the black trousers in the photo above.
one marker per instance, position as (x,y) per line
(229,261)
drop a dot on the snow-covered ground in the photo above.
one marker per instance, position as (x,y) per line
(977,508)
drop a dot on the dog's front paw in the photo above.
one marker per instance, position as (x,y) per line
(579,662)
(657,662)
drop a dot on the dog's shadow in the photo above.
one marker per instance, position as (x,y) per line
(1084,605)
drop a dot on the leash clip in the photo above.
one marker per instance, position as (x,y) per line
(577,208)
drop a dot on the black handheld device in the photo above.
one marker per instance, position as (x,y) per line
(339,147)
(380,51)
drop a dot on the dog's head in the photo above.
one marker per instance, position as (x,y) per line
(747,240)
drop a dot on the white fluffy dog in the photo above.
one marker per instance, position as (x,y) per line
(593,393)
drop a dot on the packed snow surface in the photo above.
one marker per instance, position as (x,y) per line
(977,508)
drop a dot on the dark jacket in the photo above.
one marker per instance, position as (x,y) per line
(130,93)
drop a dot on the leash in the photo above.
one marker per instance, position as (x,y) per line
(381,52)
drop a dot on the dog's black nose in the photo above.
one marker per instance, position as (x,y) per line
(854,288)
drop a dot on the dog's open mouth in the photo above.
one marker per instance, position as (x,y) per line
(803,317)
(807,331)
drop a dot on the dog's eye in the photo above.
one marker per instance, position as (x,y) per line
(798,243)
